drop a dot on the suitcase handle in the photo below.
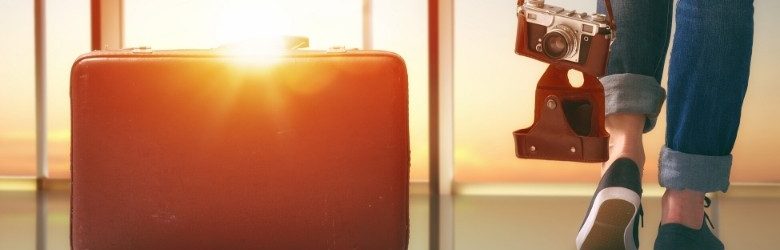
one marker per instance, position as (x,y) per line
(287,42)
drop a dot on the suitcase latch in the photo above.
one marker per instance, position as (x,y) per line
(339,49)
(140,50)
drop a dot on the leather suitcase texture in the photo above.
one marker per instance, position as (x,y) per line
(199,150)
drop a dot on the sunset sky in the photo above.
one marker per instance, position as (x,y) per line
(493,86)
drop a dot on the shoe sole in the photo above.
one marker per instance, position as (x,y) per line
(609,224)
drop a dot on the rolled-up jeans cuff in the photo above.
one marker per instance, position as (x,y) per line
(634,94)
(703,173)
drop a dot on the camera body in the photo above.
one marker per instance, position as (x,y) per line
(563,37)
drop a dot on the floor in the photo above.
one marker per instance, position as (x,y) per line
(492,222)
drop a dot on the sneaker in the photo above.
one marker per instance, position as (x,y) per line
(674,236)
(610,222)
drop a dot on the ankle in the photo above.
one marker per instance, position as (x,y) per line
(684,207)
(632,149)
(630,124)
(625,140)
(621,146)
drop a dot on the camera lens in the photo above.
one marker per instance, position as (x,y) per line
(554,45)
(559,42)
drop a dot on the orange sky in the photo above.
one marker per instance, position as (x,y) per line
(493,87)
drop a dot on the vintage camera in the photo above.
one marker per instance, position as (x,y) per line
(568,38)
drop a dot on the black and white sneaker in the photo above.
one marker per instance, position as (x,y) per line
(610,222)
(675,236)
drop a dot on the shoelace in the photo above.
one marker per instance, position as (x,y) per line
(641,216)
(707,203)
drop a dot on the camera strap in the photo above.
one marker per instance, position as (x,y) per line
(610,17)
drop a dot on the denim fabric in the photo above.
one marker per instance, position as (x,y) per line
(635,94)
(637,57)
(691,171)
(708,75)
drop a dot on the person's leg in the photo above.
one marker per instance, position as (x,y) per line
(632,85)
(633,98)
(708,76)
(625,138)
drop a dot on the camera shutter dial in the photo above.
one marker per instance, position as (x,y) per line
(537,3)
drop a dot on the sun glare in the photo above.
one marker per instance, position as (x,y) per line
(253,31)
(254,54)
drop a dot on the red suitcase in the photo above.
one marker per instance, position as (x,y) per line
(200,150)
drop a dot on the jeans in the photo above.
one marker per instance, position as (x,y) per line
(708,76)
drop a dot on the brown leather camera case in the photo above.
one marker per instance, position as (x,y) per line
(568,121)
(195,150)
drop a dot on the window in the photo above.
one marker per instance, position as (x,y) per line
(17,89)
(394,22)
(494,96)
(494,91)
(67,37)
(210,24)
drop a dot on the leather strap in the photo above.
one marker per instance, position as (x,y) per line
(610,16)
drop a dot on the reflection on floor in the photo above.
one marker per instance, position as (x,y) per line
(480,221)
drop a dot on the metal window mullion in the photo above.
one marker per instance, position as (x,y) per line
(446,94)
(441,112)
(41,165)
(107,24)
(441,123)
(368,29)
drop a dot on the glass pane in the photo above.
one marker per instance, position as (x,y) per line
(755,155)
(210,23)
(394,22)
(494,93)
(17,89)
(494,96)
(68,36)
